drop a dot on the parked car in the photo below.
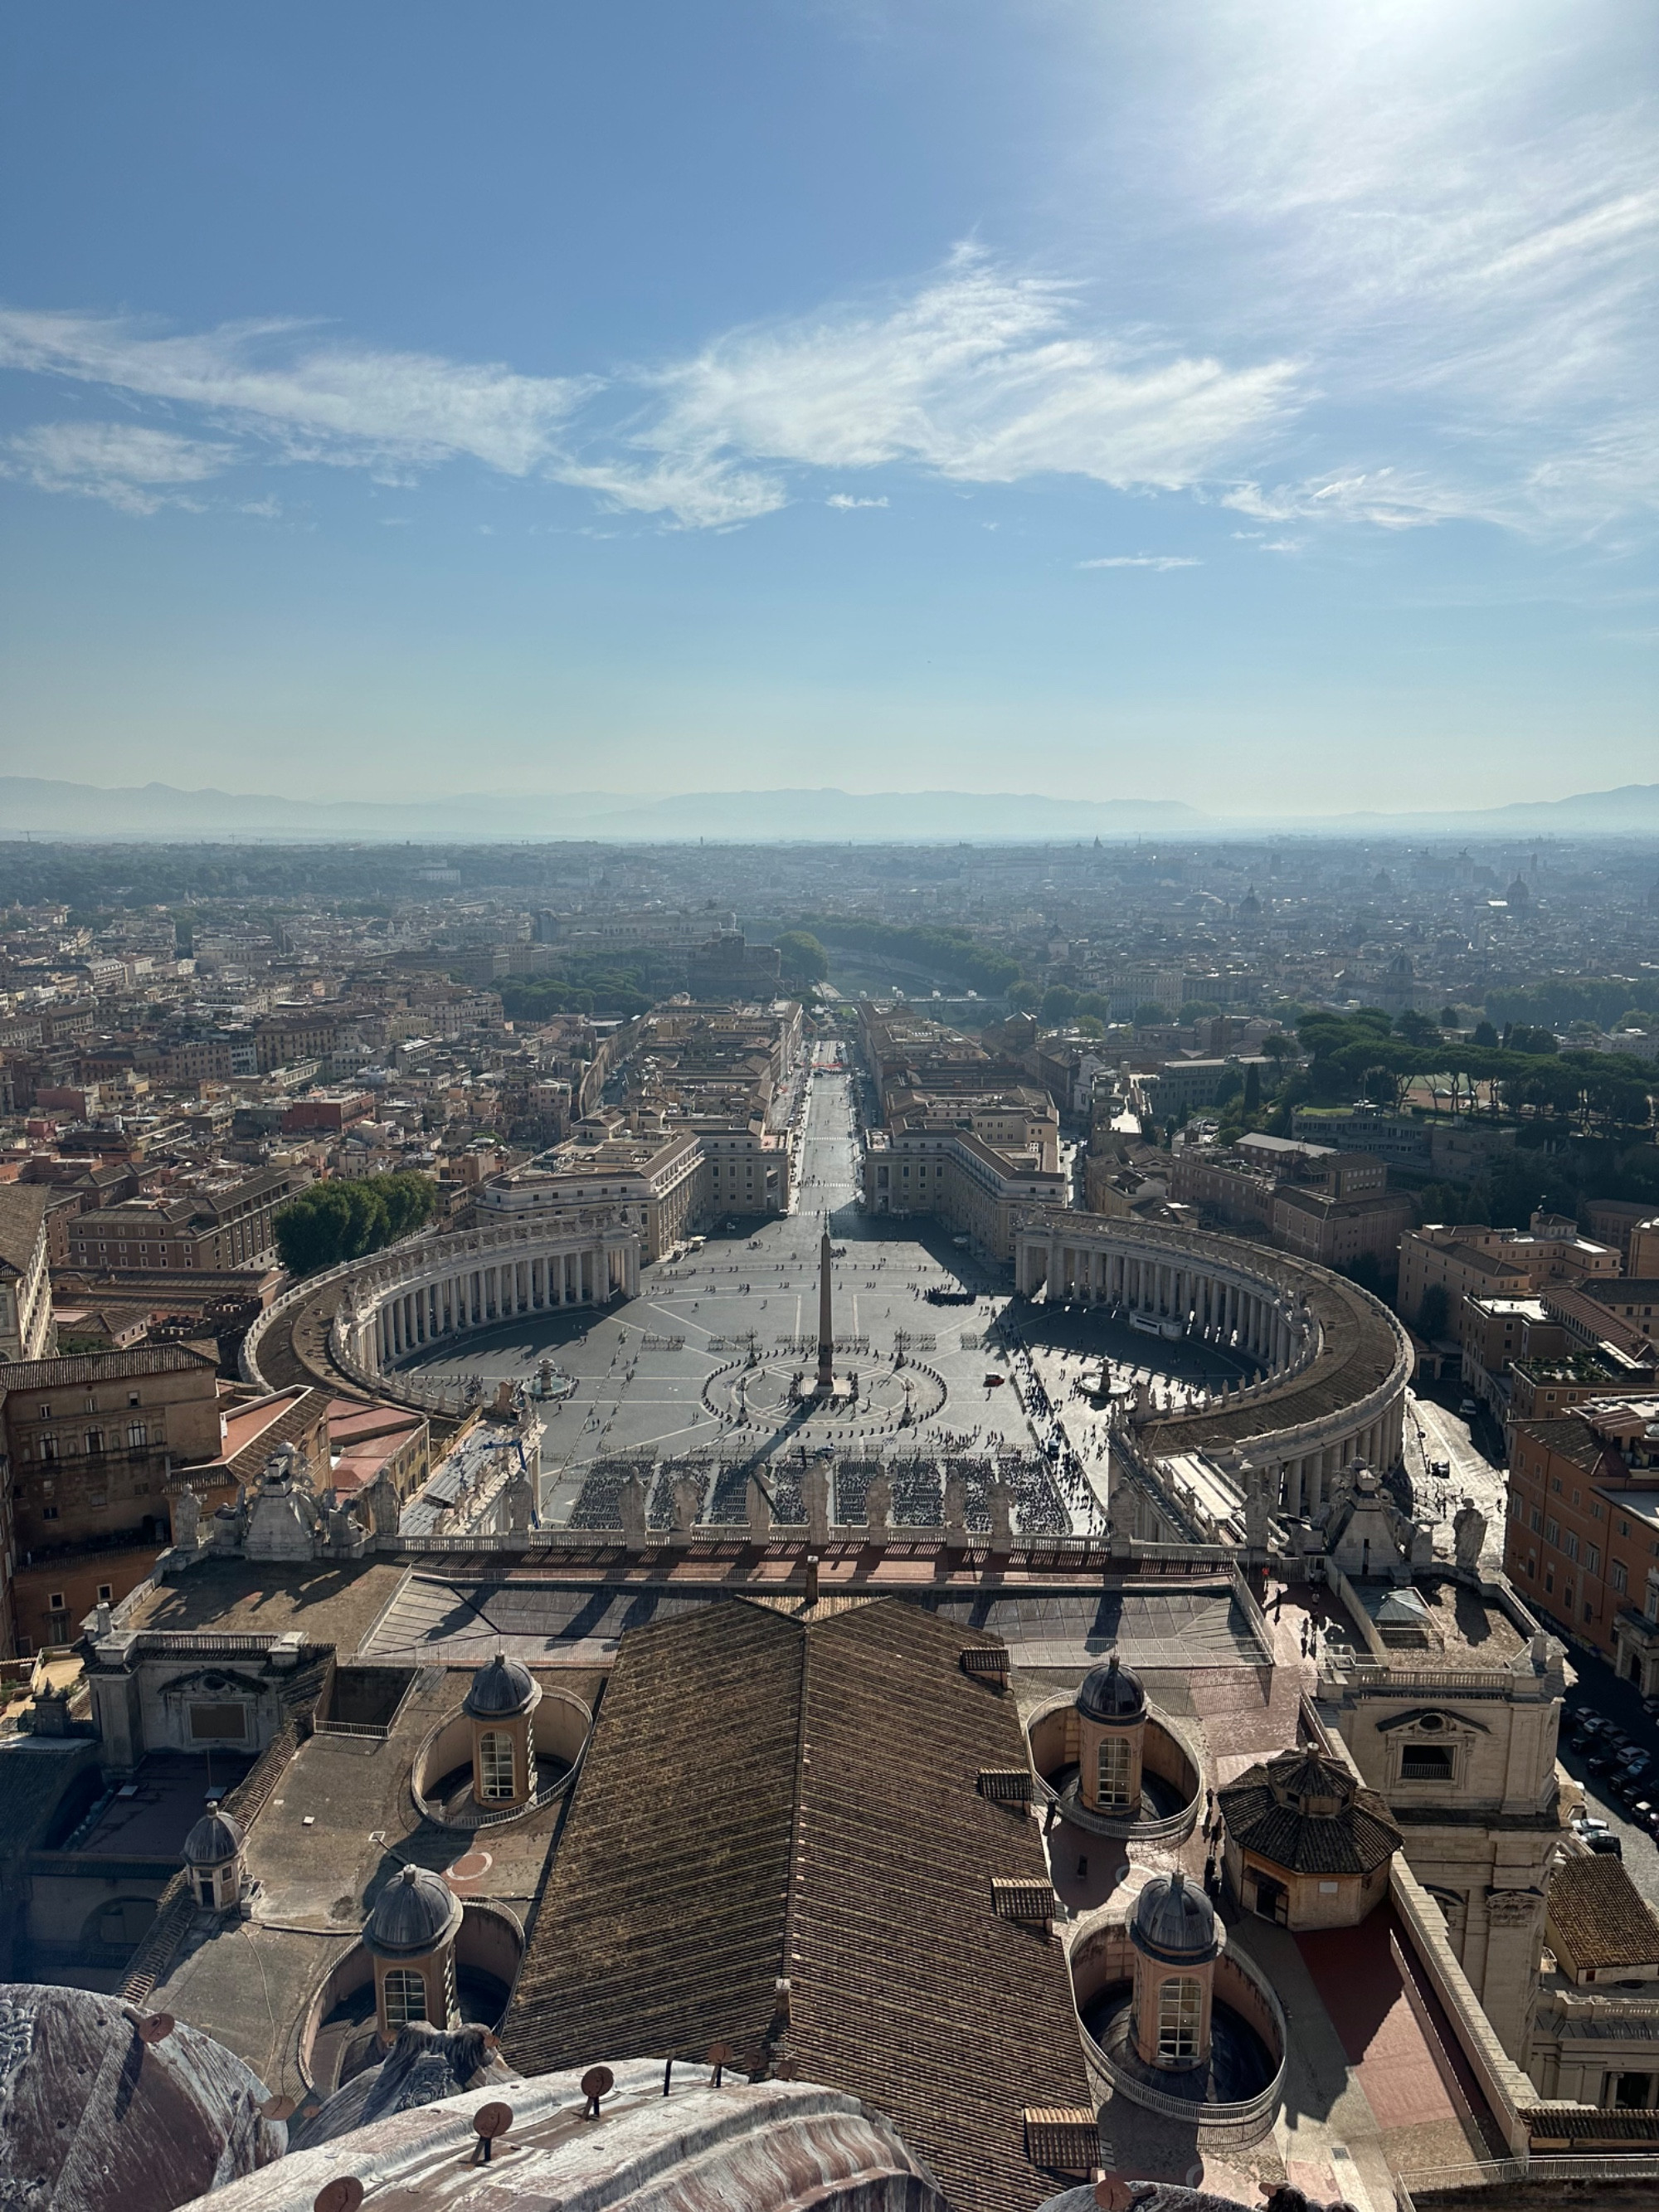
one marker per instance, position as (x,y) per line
(1598,1762)
(1606,1842)
(1469,1410)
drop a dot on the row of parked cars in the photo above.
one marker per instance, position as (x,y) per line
(1625,1770)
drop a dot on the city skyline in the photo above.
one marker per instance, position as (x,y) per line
(911,395)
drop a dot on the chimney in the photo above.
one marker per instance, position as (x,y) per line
(812,1578)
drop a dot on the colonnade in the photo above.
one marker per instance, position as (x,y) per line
(1289,1425)
(1255,1318)
(1300,1481)
(473,1280)
(499,1290)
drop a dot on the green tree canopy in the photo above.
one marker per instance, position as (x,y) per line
(805,960)
(347,1217)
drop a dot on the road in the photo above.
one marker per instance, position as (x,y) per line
(1435,1431)
(1597,1689)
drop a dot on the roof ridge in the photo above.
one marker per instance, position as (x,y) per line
(797,1823)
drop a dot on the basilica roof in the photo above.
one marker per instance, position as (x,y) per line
(96,2117)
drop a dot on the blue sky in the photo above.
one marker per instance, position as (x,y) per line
(1253,404)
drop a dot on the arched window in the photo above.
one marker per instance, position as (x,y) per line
(495,1765)
(1113,1773)
(1180,2007)
(405,1996)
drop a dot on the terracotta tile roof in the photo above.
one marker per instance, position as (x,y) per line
(1596,1916)
(253,1432)
(1356,1840)
(737,1822)
(661,1927)
(104,1367)
(22,1211)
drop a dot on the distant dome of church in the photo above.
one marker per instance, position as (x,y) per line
(1111,1693)
(1175,1922)
(178,2116)
(413,1914)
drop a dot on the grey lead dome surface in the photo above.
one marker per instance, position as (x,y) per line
(1174,1922)
(502,1688)
(1111,1693)
(413,1914)
(214,1840)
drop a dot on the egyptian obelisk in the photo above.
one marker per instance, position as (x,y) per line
(826,1326)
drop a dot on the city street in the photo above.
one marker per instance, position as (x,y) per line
(1435,1431)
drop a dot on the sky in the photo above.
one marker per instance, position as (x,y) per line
(1252,404)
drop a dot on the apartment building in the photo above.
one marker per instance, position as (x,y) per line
(1581,1541)
(95,1447)
(227,1226)
(975,1164)
(26,1322)
(1471,1260)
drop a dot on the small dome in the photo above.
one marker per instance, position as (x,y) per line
(501,1689)
(413,1915)
(1111,1693)
(1175,1922)
(215,1840)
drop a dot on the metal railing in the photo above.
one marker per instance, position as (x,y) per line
(1489,2173)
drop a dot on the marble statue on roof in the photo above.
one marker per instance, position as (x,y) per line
(186,1516)
(1468,1533)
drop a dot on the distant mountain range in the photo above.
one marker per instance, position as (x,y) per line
(37,806)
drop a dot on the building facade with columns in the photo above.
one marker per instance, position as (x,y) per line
(1460,1744)
(655,1181)
(396,1305)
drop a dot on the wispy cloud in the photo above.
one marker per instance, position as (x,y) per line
(843,499)
(1388,499)
(1452,212)
(1143,561)
(314,400)
(977,374)
(134,468)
